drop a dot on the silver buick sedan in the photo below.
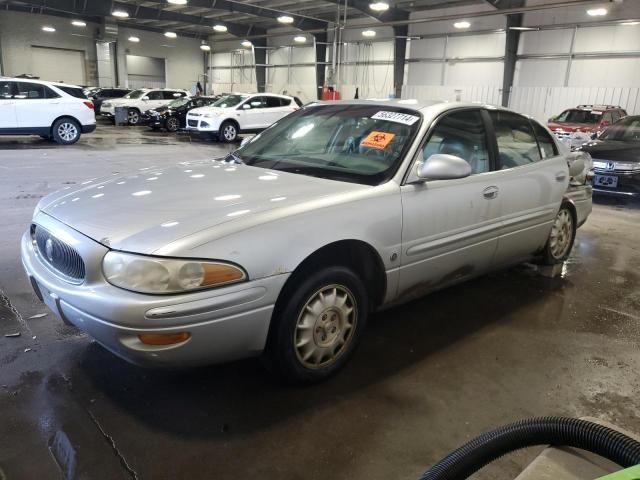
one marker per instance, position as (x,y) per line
(284,247)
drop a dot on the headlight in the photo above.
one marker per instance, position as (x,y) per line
(210,115)
(106,104)
(167,275)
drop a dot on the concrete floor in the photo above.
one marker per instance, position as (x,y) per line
(428,376)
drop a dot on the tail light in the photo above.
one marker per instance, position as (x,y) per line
(89,104)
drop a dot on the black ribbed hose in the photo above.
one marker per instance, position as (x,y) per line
(557,431)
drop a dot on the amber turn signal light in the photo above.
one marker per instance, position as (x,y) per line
(164,338)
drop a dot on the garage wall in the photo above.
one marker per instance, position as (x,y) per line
(233,71)
(184,61)
(21,32)
(145,72)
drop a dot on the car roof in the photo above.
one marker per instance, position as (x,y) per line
(42,82)
(412,104)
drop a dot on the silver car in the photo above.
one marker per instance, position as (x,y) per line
(284,247)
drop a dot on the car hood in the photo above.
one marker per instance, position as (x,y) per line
(572,127)
(614,150)
(154,207)
(201,110)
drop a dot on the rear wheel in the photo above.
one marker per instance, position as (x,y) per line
(317,325)
(133,116)
(228,132)
(561,238)
(173,124)
(65,131)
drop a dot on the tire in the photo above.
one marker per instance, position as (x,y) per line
(173,124)
(65,131)
(561,237)
(317,325)
(133,116)
(228,132)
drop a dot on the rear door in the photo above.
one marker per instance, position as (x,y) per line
(450,227)
(37,105)
(7,105)
(531,180)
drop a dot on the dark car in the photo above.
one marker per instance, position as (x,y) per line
(173,115)
(102,94)
(616,158)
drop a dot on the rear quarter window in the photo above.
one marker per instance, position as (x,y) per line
(74,92)
(548,147)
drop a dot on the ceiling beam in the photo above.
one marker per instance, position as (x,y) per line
(393,14)
(505,4)
(103,8)
(301,22)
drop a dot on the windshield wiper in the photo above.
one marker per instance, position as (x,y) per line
(233,157)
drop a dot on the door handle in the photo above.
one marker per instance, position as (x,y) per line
(490,192)
(560,176)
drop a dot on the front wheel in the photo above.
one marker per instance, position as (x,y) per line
(173,124)
(561,238)
(317,326)
(228,132)
(65,131)
(133,116)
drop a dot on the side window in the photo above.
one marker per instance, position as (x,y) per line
(257,102)
(517,144)
(461,134)
(32,91)
(155,95)
(285,102)
(170,95)
(273,102)
(6,90)
(547,145)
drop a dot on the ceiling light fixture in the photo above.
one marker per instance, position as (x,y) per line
(597,12)
(205,48)
(120,14)
(48,29)
(220,28)
(246,43)
(379,6)
(134,39)
(299,39)
(462,24)
(170,34)
(285,19)
(369,33)
(78,23)
(178,2)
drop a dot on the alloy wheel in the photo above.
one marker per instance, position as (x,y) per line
(67,131)
(134,117)
(229,132)
(561,233)
(325,326)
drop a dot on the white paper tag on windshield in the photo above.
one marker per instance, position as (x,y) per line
(397,117)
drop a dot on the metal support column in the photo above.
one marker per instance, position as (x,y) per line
(510,56)
(399,54)
(320,43)
(260,59)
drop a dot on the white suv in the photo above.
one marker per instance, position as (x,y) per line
(52,110)
(241,113)
(140,101)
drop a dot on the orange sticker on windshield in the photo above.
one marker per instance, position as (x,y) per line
(378,140)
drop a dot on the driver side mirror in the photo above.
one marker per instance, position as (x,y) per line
(145,98)
(441,166)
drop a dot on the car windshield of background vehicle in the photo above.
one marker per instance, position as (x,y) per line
(352,143)
(135,94)
(229,101)
(179,102)
(627,130)
(579,116)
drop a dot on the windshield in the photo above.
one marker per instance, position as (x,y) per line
(179,102)
(229,101)
(135,94)
(579,116)
(353,143)
(627,130)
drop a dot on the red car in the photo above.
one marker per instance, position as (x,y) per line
(576,126)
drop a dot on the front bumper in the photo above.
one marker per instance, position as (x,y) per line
(225,324)
(628,184)
(153,121)
(201,124)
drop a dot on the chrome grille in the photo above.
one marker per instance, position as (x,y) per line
(58,255)
(607,166)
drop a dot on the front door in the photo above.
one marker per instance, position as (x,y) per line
(253,113)
(7,105)
(37,105)
(450,227)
